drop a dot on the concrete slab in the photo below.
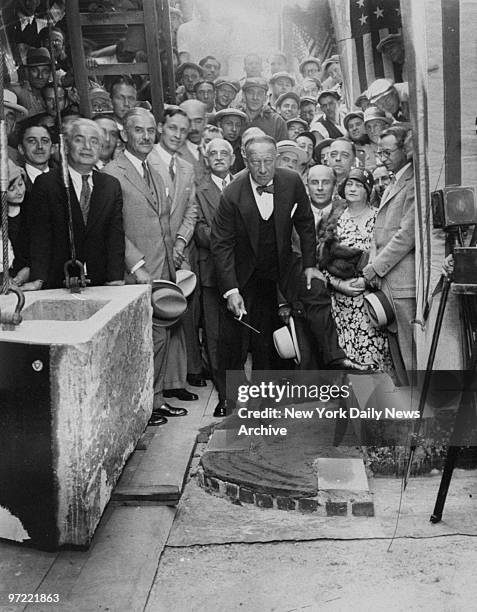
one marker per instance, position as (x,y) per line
(76,392)
(342,474)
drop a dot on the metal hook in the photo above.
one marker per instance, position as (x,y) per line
(10,320)
(75,283)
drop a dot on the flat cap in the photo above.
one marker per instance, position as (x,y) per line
(282,75)
(255,82)
(352,115)
(379,88)
(307,100)
(230,112)
(387,40)
(372,112)
(297,120)
(309,60)
(329,92)
(334,59)
(287,94)
(227,81)
(185,65)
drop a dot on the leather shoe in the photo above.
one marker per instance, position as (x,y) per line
(181,394)
(223,408)
(166,410)
(156,420)
(196,380)
(350,364)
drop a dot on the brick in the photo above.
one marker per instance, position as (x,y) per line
(307,505)
(336,508)
(263,501)
(231,490)
(246,495)
(285,503)
(362,508)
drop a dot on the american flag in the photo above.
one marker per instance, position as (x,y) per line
(359,26)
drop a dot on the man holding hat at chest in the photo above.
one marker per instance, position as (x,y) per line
(149,250)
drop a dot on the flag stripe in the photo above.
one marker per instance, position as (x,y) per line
(361,59)
(451,78)
(377,57)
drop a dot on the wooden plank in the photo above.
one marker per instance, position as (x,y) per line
(166,460)
(77,54)
(158,493)
(118,570)
(124,68)
(168,76)
(119,18)
(152,26)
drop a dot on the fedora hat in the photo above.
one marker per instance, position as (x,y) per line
(286,342)
(186,280)
(373,112)
(168,302)
(10,101)
(290,146)
(380,310)
(38,57)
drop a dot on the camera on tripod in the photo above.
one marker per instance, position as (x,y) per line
(455,208)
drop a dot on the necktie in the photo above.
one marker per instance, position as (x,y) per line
(85,197)
(171,169)
(265,189)
(146,174)
(224,184)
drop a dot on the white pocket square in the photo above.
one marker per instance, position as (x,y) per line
(293,210)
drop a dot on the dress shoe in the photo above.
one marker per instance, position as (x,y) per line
(350,364)
(166,410)
(156,420)
(181,394)
(196,380)
(223,408)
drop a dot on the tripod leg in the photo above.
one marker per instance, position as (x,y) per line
(452,454)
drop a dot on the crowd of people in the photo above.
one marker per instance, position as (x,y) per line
(287,206)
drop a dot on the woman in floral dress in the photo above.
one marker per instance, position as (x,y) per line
(354,229)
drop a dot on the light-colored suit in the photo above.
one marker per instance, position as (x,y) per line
(393,257)
(200,169)
(148,236)
(183,217)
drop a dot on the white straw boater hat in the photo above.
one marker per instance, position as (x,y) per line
(286,342)
(380,310)
(186,280)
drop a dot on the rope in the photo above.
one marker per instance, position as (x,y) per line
(4,185)
(63,158)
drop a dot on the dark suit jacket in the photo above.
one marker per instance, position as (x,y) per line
(100,244)
(235,229)
(208,198)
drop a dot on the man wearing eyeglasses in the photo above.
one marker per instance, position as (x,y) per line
(392,257)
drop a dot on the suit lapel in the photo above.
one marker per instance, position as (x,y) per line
(280,211)
(396,188)
(249,211)
(136,180)
(211,195)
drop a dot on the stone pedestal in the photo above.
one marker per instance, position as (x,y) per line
(76,392)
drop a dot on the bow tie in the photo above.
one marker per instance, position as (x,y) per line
(265,189)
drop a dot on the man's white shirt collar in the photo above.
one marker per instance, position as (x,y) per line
(220,182)
(33,172)
(135,161)
(164,155)
(77,180)
(264,201)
